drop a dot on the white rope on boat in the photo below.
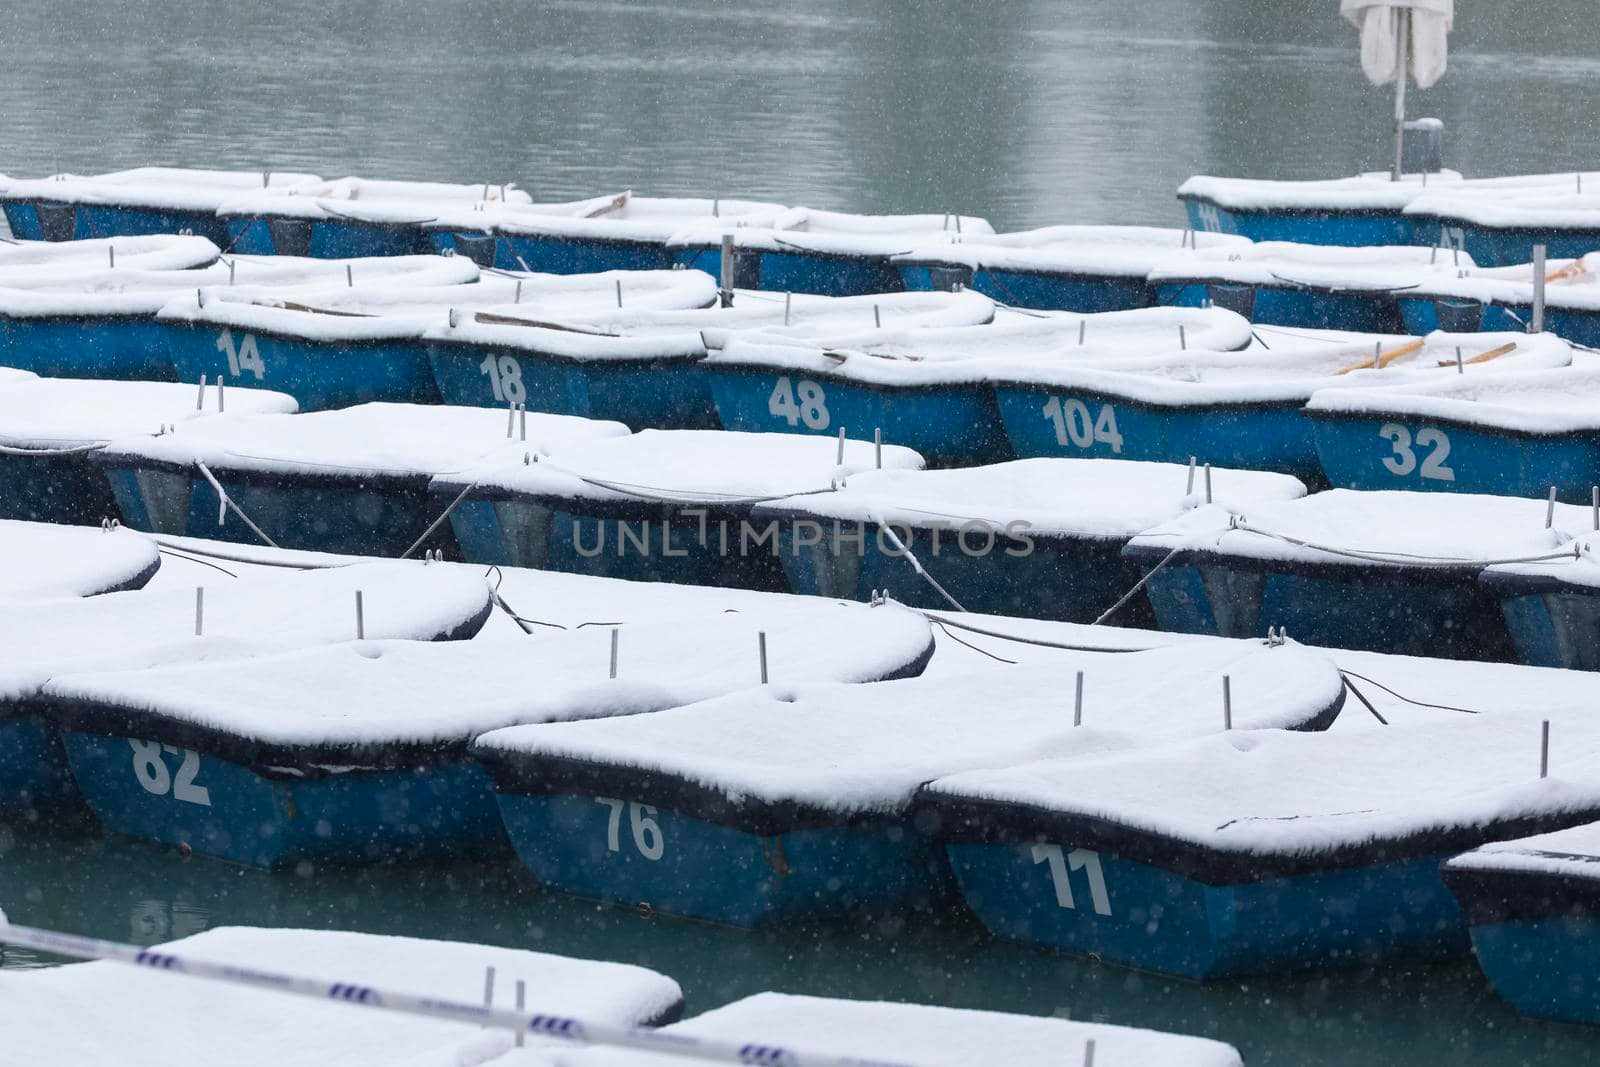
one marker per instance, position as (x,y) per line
(1402,559)
(76,450)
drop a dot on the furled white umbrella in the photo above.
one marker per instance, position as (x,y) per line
(1400,37)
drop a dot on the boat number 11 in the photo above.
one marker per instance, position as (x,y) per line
(1403,461)
(1061,867)
(151,769)
(646,832)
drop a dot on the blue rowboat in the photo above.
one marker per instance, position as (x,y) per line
(1040,538)
(640,362)
(354,480)
(661,505)
(622,232)
(1282,284)
(1498,222)
(1382,571)
(49,427)
(807,817)
(125,631)
(51,560)
(1354,212)
(1551,606)
(1242,854)
(1501,299)
(1057,268)
(930,389)
(1511,432)
(145,200)
(1533,907)
(42,262)
(827,253)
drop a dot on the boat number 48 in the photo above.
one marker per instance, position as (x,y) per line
(799,402)
(150,768)
(1062,864)
(1430,446)
(242,358)
(1077,426)
(646,832)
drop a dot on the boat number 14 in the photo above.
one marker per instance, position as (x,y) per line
(1403,461)
(1061,867)
(646,831)
(151,769)
(244,357)
(1075,425)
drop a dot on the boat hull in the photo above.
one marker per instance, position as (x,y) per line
(1353,229)
(120,347)
(1360,311)
(35,781)
(1552,623)
(65,489)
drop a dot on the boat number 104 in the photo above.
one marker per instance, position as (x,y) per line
(1079,427)
(1430,446)
(150,768)
(642,826)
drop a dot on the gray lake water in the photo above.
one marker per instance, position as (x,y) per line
(1029,113)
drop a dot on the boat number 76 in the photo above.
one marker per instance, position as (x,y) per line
(646,831)
(1403,459)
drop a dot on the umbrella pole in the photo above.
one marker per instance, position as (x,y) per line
(1402,36)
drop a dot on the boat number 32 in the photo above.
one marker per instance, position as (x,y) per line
(799,402)
(244,357)
(645,830)
(1076,425)
(505,378)
(1430,445)
(150,767)
(1061,867)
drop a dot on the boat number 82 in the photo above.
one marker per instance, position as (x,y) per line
(641,821)
(799,402)
(150,768)
(1403,460)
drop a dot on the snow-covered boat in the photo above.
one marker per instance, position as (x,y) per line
(791,802)
(357,752)
(1258,852)
(1533,907)
(661,505)
(1499,226)
(1552,607)
(331,348)
(1514,433)
(1039,537)
(101,322)
(50,426)
(1057,268)
(641,365)
(51,560)
(155,252)
(931,389)
(124,203)
(1502,298)
(1387,571)
(352,480)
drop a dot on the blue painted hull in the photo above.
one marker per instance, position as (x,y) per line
(1507,248)
(1353,229)
(717,873)
(1546,968)
(223,809)
(669,394)
(1552,624)
(318,375)
(1375,609)
(1267,437)
(798,272)
(22,218)
(559,255)
(34,779)
(125,348)
(1364,312)
(109,220)
(1162,921)
(66,489)
(325,238)
(478,247)
(1375,451)
(953,425)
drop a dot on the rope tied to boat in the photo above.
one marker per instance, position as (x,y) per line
(74,450)
(1399,559)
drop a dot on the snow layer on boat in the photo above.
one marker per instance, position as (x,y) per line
(1573,852)
(164,188)
(153,252)
(1525,209)
(924,1035)
(850,751)
(1111,251)
(52,413)
(976,354)
(1292,375)
(1578,568)
(366,440)
(647,219)
(1372,191)
(836,233)
(48,560)
(707,467)
(1380,269)
(1387,528)
(241,617)
(1548,402)
(1097,498)
(396,203)
(1569,283)
(107,1012)
(379,696)
(1308,795)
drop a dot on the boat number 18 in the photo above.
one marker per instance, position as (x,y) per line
(1075,425)
(150,768)
(505,378)
(1403,460)
(1061,867)
(244,357)
(799,402)
(646,831)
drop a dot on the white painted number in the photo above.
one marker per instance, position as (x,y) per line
(1210,220)
(1061,866)
(505,378)
(811,409)
(151,770)
(1074,425)
(641,822)
(244,358)
(1404,459)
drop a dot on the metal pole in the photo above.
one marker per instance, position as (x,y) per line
(1403,45)
(1536,320)
(725,290)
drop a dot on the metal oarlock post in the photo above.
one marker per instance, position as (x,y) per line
(614,638)
(1227,702)
(1550,509)
(725,290)
(1536,320)
(877,448)
(200,396)
(1544,749)
(761,646)
(619,292)
(1594,504)
(840,461)
(221,403)
(1208,483)
(877,317)
(1189,489)
(361,618)
(349,276)
(1077,702)
(1183,338)
(787,297)
(558,1027)
(199,610)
